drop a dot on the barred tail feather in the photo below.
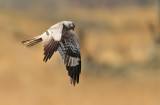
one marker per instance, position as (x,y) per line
(33,41)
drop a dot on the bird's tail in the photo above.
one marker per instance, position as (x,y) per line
(33,41)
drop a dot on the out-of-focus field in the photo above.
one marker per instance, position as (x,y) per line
(120,59)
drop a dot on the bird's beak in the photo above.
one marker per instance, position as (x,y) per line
(72,28)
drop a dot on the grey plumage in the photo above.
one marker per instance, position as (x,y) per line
(59,37)
(70,52)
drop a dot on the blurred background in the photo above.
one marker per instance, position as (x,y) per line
(120,48)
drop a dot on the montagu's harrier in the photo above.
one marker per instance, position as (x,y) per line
(59,37)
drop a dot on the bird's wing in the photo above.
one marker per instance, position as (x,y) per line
(51,40)
(70,52)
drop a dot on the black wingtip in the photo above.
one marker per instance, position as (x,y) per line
(44,60)
(73,81)
(74,73)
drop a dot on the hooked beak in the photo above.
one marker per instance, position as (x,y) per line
(72,27)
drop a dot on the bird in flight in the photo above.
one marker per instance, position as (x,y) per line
(59,37)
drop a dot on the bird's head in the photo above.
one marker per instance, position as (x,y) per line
(68,25)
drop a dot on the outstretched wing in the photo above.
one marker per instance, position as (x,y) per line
(70,52)
(51,40)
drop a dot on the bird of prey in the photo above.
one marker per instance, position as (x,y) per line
(59,37)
